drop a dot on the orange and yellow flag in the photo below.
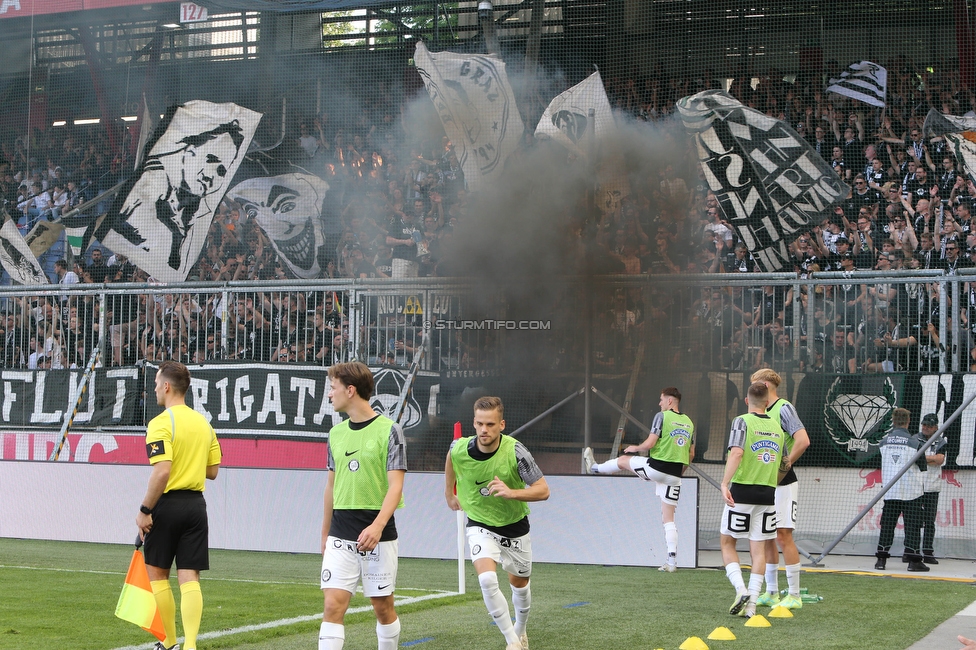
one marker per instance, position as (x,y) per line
(136,602)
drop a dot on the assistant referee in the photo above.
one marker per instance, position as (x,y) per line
(183,451)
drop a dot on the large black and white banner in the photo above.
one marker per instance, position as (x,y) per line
(16,256)
(289,210)
(43,398)
(161,217)
(567,119)
(863,81)
(770,182)
(288,400)
(477,109)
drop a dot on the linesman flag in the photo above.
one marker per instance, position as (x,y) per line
(864,81)
(136,602)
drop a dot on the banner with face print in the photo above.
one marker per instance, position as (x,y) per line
(769,181)
(161,217)
(477,108)
(289,210)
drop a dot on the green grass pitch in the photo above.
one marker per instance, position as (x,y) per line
(63,595)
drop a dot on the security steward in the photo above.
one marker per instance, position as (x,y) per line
(183,451)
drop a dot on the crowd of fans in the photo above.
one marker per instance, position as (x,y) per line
(396,198)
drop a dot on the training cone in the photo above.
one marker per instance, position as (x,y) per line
(693,643)
(780,612)
(758,621)
(721,634)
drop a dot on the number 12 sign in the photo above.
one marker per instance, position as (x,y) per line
(192,13)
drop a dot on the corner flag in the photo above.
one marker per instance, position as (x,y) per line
(136,602)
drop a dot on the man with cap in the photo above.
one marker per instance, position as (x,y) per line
(843,246)
(935,459)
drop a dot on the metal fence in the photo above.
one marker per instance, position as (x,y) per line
(867,322)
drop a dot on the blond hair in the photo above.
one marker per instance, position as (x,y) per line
(901,417)
(767,374)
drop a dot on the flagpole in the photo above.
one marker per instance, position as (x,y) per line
(460,528)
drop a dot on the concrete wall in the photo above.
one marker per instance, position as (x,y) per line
(587,520)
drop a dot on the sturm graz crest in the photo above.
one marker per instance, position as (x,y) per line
(389,384)
(857,421)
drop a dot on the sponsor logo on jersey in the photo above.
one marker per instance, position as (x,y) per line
(764,444)
(350,453)
(766,457)
(155,449)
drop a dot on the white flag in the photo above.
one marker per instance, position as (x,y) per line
(161,217)
(568,120)
(477,108)
(865,81)
(16,256)
(289,210)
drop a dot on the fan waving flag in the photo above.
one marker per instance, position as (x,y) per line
(136,602)
(567,119)
(864,81)
(477,108)
(769,181)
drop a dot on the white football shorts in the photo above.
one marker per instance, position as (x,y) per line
(343,565)
(668,487)
(749,521)
(514,554)
(786,500)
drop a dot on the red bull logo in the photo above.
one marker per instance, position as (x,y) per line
(949,476)
(873,479)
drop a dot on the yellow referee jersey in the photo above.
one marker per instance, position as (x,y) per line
(184,437)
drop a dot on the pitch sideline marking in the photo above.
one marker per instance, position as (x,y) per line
(258,582)
(292,621)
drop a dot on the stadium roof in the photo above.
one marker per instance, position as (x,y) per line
(28,8)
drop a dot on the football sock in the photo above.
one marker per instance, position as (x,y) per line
(734,573)
(332,636)
(191,611)
(388,635)
(755,585)
(772,578)
(166,604)
(522,602)
(607,467)
(671,537)
(793,579)
(497,606)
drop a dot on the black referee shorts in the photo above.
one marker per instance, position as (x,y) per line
(179,530)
